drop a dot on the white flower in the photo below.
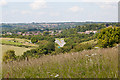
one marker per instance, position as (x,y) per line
(87,55)
(93,54)
(56,75)
(96,47)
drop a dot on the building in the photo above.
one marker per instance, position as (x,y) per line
(88,32)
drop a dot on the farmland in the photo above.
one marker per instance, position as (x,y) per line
(17,42)
(18,50)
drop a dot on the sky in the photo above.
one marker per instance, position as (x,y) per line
(14,11)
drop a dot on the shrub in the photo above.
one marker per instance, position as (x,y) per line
(84,46)
(109,36)
(9,56)
(59,50)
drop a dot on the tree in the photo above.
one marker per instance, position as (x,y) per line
(45,33)
(50,46)
(34,40)
(9,56)
(109,36)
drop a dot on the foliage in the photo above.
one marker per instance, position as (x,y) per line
(9,56)
(45,33)
(109,36)
(42,49)
(84,46)
(34,40)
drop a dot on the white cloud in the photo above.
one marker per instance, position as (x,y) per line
(37,4)
(54,14)
(25,12)
(14,11)
(40,13)
(99,0)
(76,9)
(3,2)
(107,5)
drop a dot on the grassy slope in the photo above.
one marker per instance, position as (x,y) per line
(100,63)
(18,50)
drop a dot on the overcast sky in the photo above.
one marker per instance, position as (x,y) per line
(58,11)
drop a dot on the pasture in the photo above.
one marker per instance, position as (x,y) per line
(17,42)
(18,50)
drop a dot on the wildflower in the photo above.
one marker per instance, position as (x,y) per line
(93,54)
(87,55)
(96,47)
(56,75)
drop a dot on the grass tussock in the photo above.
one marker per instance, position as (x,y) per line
(100,63)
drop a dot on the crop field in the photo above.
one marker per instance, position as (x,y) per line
(18,50)
(95,63)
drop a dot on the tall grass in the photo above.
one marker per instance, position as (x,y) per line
(100,63)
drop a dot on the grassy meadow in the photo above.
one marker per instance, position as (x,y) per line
(9,44)
(95,63)
(18,50)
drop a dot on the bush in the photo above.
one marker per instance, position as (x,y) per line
(108,37)
(49,47)
(9,56)
(84,46)
(59,50)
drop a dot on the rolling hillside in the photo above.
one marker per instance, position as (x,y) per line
(95,63)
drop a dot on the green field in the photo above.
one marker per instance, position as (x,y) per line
(17,42)
(95,63)
(91,41)
(18,50)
